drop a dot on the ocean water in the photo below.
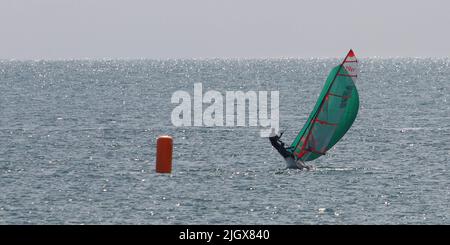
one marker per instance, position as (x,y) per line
(77,145)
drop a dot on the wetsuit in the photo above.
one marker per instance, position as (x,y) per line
(287,155)
(279,145)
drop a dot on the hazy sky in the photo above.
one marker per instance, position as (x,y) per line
(67,29)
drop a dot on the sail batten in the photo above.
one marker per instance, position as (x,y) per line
(333,114)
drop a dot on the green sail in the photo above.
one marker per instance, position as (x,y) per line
(333,115)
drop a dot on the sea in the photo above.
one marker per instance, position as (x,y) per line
(78,145)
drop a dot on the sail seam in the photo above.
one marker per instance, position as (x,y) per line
(341,96)
(347,75)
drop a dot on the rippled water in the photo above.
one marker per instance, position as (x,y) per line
(77,145)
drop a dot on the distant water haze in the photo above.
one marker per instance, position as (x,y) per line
(77,29)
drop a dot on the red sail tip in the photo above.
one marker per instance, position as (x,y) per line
(350,53)
(350,57)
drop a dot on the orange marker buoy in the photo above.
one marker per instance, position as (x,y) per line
(164,145)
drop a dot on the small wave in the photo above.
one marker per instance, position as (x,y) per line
(344,169)
(293,170)
(403,130)
(412,129)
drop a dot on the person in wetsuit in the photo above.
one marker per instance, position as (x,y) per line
(284,152)
(279,145)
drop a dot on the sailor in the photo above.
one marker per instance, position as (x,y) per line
(284,151)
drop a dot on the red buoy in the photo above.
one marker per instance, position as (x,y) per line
(164,146)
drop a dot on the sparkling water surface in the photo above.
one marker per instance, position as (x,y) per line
(77,145)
